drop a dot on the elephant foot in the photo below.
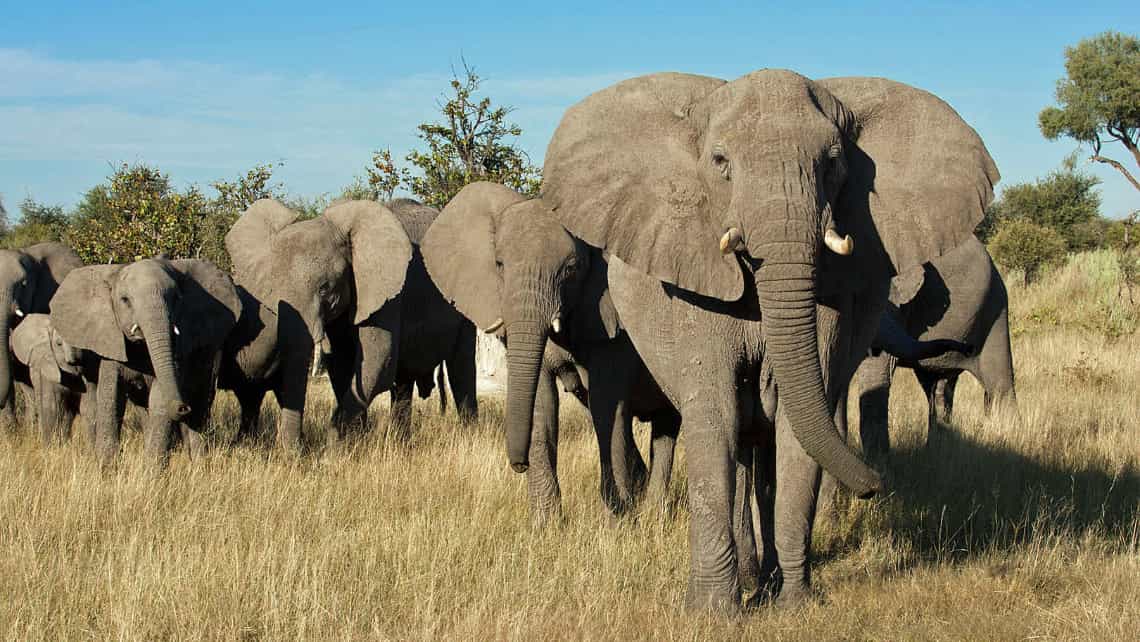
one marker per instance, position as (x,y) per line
(542,517)
(720,599)
(794,595)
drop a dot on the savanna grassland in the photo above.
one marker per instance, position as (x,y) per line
(999,529)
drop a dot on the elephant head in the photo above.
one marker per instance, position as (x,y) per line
(343,265)
(173,308)
(508,265)
(28,280)
(702,183)
(37,345)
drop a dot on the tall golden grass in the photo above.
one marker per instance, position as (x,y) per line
(1000,529)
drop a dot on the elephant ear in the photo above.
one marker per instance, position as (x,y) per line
(905,286)
(210,305)
(601,319)
(32,333)
(621,174)
(459,251)
(81,311)
(919,178)
(249,240)
(56,261)
(380,248)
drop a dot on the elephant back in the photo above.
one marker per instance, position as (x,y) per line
(414,216)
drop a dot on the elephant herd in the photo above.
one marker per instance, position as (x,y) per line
(717,258)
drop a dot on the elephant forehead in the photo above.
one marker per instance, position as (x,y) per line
(530,231)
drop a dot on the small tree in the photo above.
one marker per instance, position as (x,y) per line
(380,181)
(233,198)
(1020,244)
(474,143)
(1099,98)
(1127,259)
(38,223)
(1065,200)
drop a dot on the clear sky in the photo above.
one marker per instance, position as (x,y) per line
(206,89)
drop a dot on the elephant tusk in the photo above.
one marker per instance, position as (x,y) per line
(842,246)
(176,331)
(732,241)
(556,324)
(19,313)
(135,329)
(494,327)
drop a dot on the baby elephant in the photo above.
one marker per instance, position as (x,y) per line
(50,366)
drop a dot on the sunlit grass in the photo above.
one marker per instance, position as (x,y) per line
(1000,529)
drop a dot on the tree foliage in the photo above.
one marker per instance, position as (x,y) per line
(1066,200)
(1021,244)
(473,142)
(38,223)
(1098,100)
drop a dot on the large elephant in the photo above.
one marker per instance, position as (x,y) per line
(509,266)
(728,211)
(959,296)
(50,367)
(28,280)
(166,320)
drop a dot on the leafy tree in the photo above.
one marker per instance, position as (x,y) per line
(1065,200)
(3,217)
(233,197)
(38,223)
(473,143)
(1099,98)
(1021,244)
(381,180)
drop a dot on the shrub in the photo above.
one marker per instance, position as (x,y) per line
(1023,245)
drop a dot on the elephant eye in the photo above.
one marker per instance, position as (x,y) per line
(721,161)
(324,289)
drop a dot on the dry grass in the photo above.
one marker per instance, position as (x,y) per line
(1000,530)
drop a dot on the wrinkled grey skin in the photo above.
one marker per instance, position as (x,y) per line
(958,296)
(509,266)
(28,280)
(50,366)
(712,200)
(161,319)
(348,280)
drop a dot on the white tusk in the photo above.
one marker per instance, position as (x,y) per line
(732,241)
(556,324)
(842,246)
(494,327)
(176,332)
(134,328)
(19,313)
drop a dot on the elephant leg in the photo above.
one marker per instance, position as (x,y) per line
(663,445)
(88,411)
(944,397)
(874,389)
(110,404)
(461,377)
(797,486)
(193,440)
(54,414)
(623,471)
(250,399)
(764,511)
(8,414)
(828,488)
(929,381)
(400,416)
(291,394)
(711,431)
(542,476)
(374,347)
(995,366)
(747,558)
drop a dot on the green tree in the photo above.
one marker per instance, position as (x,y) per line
(475,142)
(1098,100)
(38,223)
(233,197)
(1021,244)
(380,181)
(3,218)
(1066,200)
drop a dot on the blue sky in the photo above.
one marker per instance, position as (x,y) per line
(205,90)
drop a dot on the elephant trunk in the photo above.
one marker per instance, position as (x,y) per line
(157,330)
(786,284)
(526,341)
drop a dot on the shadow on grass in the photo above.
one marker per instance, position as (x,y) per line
(958,498)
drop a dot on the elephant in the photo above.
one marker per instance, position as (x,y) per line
(346,279)
(159,319)
(959,295)
(28,279)
(50,367)
(752,228)
(508,265)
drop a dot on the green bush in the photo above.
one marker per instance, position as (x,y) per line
(1022,245)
